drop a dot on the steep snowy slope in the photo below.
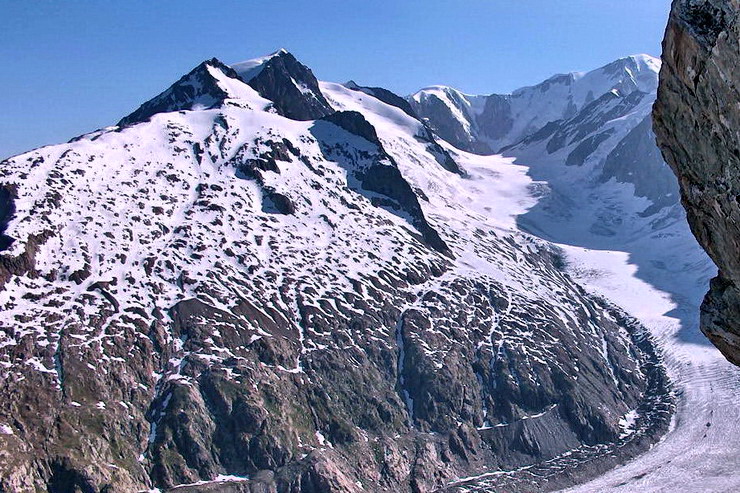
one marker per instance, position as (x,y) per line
(259,281)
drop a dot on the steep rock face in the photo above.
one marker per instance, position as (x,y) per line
(496,119)
(288,83)
(696,122)
(7,209)
(449,113)
(227,299)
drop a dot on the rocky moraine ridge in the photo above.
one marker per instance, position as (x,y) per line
(262,282)
(696,120)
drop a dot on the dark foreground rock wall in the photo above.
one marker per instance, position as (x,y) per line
(697,116)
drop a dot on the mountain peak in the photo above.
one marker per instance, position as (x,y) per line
(249,69)
(289,84)
(436,88)
(630,73)
(205,86)
(277,78)
(645,57)
(640,62)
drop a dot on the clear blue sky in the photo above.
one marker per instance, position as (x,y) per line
(69,67)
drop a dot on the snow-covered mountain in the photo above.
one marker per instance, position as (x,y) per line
(258,281)
(485,124)
(605,195)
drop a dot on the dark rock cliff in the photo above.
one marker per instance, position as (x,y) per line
(696,120)
(292,87)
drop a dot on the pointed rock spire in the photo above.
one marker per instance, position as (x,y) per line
(289,84)
(198,88)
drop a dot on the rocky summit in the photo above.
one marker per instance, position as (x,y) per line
(696,120)
(262,282)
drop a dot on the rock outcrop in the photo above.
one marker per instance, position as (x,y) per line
(289,84)
(697,117)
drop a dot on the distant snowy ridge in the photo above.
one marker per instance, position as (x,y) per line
(485,124)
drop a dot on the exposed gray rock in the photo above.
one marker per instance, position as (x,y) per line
(496,120)
(292,87)
(696,123)
(7,209)
(442,116)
